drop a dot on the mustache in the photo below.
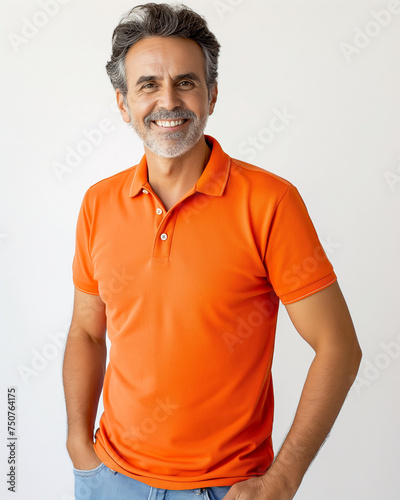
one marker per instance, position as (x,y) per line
(163,114)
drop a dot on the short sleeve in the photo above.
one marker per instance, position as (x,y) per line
(296,263)
(82,266)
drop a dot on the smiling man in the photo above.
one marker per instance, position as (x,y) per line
(168,124)
(168,105)
(182,260)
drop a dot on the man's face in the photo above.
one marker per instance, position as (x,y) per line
(168,101)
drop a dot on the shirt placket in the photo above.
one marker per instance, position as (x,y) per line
(165,224)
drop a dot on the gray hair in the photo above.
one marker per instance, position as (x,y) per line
(161,20)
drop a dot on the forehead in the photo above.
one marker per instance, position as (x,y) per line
(164,55)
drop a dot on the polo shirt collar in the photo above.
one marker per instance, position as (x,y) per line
(212,180)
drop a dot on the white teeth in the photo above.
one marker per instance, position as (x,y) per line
(170,123)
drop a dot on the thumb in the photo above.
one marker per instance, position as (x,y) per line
(231,495)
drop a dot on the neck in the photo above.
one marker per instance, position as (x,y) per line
(171,178)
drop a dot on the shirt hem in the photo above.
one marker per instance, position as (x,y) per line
(310,289)
(85,291)
(184,483)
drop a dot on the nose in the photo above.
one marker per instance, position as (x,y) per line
(169,98)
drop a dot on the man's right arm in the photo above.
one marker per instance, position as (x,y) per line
(83,374)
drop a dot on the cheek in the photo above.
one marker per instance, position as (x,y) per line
(199,104)
(138,115)
(141,108)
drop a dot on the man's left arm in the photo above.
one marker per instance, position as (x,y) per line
(324,321)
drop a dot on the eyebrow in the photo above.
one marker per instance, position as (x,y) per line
(150,78)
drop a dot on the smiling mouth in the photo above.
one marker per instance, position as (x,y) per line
(169,123)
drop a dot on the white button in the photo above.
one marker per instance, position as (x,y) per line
(159,211)
(164,236)
(145,191)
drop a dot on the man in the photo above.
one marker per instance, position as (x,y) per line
(183,259)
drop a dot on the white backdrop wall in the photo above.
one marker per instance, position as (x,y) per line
(333,68)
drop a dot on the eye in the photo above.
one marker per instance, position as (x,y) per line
(186,83)
(149,86)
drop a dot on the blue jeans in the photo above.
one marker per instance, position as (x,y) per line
(103,483)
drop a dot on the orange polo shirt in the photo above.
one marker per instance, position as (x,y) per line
(192,296)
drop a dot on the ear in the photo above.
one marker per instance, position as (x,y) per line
(214,95)
(122,107)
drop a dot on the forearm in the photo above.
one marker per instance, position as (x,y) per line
(83,375)
(329,379)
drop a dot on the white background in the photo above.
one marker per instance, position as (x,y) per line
(341,149)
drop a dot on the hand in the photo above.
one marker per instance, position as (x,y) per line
(83,455)
(258,488)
